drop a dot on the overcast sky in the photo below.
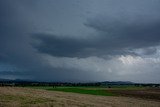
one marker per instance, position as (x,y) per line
(80,40)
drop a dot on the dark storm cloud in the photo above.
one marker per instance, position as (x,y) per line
(14,41)
(73,47)
(116,40)
(75,38)
(17,20)
(136,35)
(20,73)
(117,33)
(56,46)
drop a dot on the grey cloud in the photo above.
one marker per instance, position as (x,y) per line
(116,41)
(112,28)
(60,46)
(116,33)
(145,51)
(134,35)
(73,47)
(17,21)
(118,68)
(15,48)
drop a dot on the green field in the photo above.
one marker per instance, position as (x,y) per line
(128,90)
(103,91)
(81,90)
(84,91)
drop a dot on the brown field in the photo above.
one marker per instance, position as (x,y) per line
(26,97)
(145,93)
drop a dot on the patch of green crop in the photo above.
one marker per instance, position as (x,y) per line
(93,90)
(83,91)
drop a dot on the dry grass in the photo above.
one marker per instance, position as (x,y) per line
(25,97)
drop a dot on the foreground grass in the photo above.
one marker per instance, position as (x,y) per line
(40,97)
(24,101)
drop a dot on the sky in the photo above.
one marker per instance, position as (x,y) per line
(80,40)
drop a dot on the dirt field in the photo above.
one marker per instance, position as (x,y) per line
(145,93)
(26,97)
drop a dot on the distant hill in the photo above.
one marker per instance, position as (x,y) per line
(116,82)
(103,83)
(32,81)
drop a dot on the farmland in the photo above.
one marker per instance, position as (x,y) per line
(78,97)
(128,91)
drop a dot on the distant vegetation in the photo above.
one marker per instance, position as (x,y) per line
(108,84)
